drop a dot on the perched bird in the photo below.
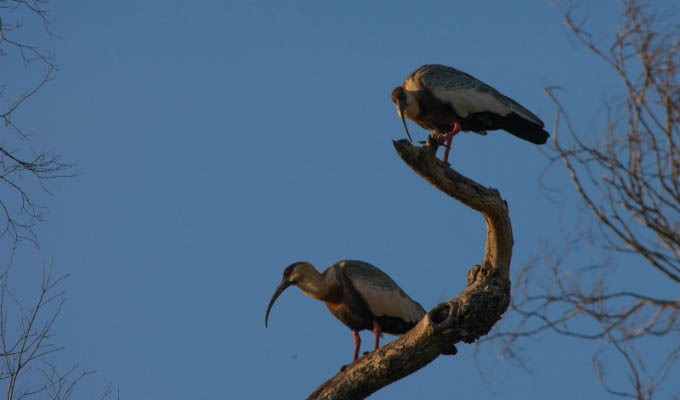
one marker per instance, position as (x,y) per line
(360,295)
(445,99)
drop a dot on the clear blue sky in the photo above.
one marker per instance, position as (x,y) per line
(220,142)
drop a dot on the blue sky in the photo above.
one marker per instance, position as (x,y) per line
(220,142)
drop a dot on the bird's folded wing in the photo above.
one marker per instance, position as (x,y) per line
(468,94)
(382,295)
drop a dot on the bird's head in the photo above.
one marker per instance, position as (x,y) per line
(295,274)
(406,105)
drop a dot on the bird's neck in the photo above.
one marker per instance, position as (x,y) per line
(319,286)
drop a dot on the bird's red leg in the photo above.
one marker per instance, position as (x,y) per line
(448,138)
(376,332)
(357,344)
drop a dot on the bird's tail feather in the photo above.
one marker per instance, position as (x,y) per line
(524,129)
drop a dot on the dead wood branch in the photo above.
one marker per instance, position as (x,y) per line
(464,318)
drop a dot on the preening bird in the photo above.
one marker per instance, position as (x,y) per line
(442,98)
(358,294)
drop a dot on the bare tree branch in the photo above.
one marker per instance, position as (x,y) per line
(465,317)
(26,332)
(22,348)
(24,170)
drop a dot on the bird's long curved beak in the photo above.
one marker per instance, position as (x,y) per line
(284,284)
(403,120)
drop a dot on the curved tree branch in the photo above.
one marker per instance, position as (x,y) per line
(464,318)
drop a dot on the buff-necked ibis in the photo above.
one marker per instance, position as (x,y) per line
(442,98)
(358,294)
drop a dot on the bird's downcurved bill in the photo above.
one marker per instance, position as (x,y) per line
(403,120)
(405,127)
(279,290)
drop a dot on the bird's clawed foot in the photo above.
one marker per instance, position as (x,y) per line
(438,138)
(422,142)
(435,139)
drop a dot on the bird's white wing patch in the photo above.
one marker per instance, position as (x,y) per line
(383,296)
(471,100)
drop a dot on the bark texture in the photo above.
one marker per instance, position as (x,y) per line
(464,318)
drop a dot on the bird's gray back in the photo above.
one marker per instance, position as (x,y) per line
(442,76)
(368,274)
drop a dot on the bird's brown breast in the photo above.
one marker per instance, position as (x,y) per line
(354,318)
(333,307)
